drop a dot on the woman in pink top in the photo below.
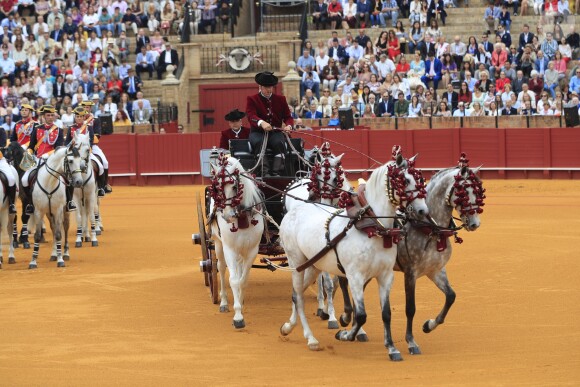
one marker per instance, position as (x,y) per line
(560,65)
(157,42)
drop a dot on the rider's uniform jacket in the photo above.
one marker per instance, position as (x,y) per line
(44,139)
(94,127)
(22,131)
(83,128)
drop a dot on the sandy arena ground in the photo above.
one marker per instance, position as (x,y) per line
(135,311)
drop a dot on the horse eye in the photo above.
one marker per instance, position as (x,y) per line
(407,181)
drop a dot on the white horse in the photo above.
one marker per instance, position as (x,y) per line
(7,219)
(49,197)
(360,256)
(325,184)
(86,199)
(237,226)
(427,249)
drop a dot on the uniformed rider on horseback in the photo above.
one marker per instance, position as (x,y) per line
(103,180)
(44,139)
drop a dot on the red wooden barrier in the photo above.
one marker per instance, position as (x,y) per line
(155,159)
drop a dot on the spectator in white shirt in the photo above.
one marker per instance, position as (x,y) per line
(355,52)
(321,61)
(384,66)
(91,21)
(94,42)
(461,112)
(40,27)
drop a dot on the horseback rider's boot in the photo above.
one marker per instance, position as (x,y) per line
(101,185)
(70,204)
(11,192)
(108,189)
(277,166)
(29,207)
(264,168)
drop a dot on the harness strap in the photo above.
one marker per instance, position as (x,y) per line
(48,195)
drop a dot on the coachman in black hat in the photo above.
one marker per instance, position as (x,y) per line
(269,113)
(236,130)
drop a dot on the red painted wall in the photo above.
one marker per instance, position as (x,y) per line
(174,158)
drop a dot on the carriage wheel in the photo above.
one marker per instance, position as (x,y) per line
(203,238)
(213,279)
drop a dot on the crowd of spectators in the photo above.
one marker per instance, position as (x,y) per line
(421,72)
(63,52)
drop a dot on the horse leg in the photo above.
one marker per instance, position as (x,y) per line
(245,267)
(346,317)
(53,255)
(36,220)
(24,231)
(329,289)
(410,282)
(440,279)
(385,283)
(357,284)
(14,231)
(57,223)
(236,275)
(91,217)
(222,272)
(66,226)
(11,238)
(298,299)
(320,297)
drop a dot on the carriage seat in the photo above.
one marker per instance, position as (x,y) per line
(242,150)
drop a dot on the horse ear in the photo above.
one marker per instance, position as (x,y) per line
(337,159)
(399,160)
(476,170)
(412,159)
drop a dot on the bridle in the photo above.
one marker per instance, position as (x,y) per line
(459,188)
(397,183)
(220,179)
(319,185)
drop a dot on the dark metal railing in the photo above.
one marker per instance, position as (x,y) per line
(264,57)
(281,23)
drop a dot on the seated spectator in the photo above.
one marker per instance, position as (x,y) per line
(132,84)
(208,17)
(432,71)
(335,12)
(414,107)
(498,60)
(145,63)
(313,112)
(541,64)
(443,110)
(436,10)
(394,46)
(449,73)
(549,46)
(491,18)
(130,20)
(355,53)
(526,92)
(451,97)
(565,50)
(166,18)
(551,79)
(401,108)
(536,84)
(515,4)
(168,57)
(121,119)
(311,81)
(505,19)
(349,15)
(141,115)
(501,82)
(503,36)
(476,110)
(461,111)
(26,5)
(508,109)
(386,105)
(363,10)
(464,95)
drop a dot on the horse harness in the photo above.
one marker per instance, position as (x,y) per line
(363,218)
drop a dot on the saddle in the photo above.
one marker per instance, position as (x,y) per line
(32,179)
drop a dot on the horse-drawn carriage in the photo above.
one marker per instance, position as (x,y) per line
(272,190)
(333,229)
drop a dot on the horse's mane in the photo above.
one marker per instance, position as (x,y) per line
(252,195)
(377,181)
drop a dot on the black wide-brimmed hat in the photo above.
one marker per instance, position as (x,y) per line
(235,115)
(266,78)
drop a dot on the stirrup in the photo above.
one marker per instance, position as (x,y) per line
(12,209)
(108,189)
(70,206)
(29,209)
(101,192)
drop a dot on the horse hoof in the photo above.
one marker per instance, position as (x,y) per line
(341,335)
(363,338)
(319,312)
(95,243)
(15,244)
(78,244)
(239,324)
(344,322)
(60,264)
(11,260)
(52,258)
(324,316)
(333,325)
(313,346)
(224,309)
(286,329)
(414,351)
(43,239)
(426,327)
(66,257)
(87,239)
(32,266)
(26,245)
(98,232)
(395,356)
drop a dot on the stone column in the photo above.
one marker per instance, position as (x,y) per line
(286,52)
(291,82)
